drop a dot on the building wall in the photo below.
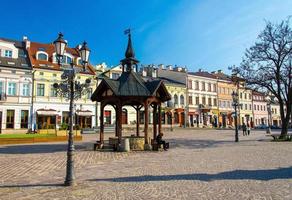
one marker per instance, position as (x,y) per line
(198,92)
(246,110)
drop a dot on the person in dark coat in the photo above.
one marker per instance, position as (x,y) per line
(244,129)
(160,141)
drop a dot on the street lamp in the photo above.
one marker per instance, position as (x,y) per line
(71,90)
(269,115)
(235,105)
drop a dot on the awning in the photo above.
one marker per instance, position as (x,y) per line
(47,112)
(193,113)
(84,113)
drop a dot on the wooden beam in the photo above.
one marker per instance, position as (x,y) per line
(159,118)
(137,121)
(101,134)
(146,122)
(154,121)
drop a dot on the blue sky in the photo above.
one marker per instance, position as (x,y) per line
(207,34)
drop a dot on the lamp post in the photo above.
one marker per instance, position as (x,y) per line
(235,105)
(71,90)
(269,116)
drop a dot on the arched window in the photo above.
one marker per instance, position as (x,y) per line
(182,100)
(175,99)
(42,56)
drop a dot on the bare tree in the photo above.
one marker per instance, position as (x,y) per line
(267,65)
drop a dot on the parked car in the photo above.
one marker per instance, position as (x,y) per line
(261,126)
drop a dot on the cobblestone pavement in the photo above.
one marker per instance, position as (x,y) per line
(201,164)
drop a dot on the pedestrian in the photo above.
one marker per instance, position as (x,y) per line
(248,129)
(160,141)
(244,129)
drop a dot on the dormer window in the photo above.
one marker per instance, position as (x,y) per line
(42,56)
(8,53)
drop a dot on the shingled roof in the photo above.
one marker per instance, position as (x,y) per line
(130,83)
(22,62)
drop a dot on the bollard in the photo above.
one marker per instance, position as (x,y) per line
(126,145)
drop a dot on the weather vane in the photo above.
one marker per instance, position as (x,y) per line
(127,31)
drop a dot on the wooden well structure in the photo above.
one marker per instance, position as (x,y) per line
(131,90)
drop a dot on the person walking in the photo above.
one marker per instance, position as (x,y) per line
(244,129)
(248,129)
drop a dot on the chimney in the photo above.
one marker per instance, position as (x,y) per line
(200,70)
(213,72)
(161,66)
(220,71)
(26,41)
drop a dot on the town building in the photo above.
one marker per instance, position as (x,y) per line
(15,87)
(174,112)
(225,88)
(245,112)
(260,110)
(202,99)
(49,110)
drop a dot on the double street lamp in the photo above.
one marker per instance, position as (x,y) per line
(235,104)
(71,90)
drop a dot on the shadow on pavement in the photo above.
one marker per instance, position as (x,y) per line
(261,175)
(32,185)
(35,148)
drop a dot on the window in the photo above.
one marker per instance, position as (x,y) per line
(209,87)
(175,99)
(203,100)
(1,87)
(209,101)
(24,119)
(250,107)
(66,60)
(261,107)
(254,107)
(197,85)
(40,89)
(264,108)
(53,92)
(10,119)
(190,100)
(245,106)
(25,89)
(190,85)
(89,93)
(79,62)
(258,107)
(197,101)
(42,56)
(214,88)
(12,89)
(203,86)
(115,75)
(8,53)
(182,100)
(241,95)
(54,75)
(223,104)
(41,73)
(249,96)
(245,96)
(215,102)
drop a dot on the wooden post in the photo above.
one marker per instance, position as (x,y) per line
(101,124)
(138,120)
(119,119)
(116,122)
(159,119)
(154,121)
(146,122)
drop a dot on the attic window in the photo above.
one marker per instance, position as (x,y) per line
(42,56)
(11,63)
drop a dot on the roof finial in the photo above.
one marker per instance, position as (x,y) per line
(130,51)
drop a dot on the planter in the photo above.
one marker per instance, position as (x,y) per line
(62,132)
(47,131)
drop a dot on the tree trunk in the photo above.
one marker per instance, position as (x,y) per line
(285,121)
